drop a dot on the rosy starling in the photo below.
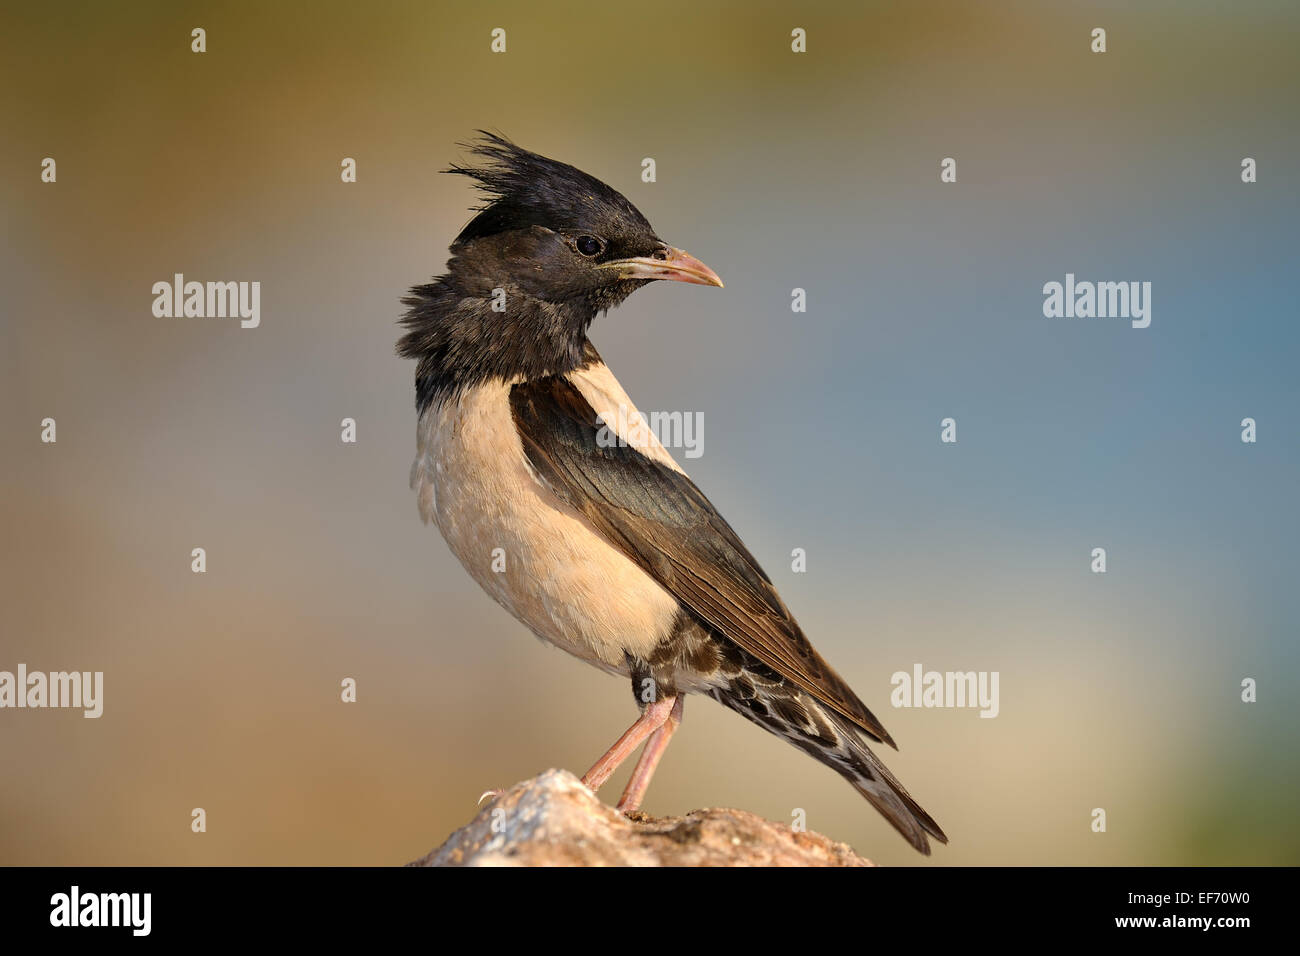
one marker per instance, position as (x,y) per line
(606,548)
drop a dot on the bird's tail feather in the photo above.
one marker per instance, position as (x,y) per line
(793,714)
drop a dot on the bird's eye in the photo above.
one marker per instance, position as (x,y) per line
(589,246)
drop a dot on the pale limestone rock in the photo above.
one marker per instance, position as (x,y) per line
(553,820)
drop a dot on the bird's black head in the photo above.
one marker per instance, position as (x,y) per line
(549,249)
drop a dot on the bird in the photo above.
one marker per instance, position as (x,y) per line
(592,537)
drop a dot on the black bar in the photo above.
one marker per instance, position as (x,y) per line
(240,904)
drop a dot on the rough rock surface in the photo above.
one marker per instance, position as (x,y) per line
(553,820)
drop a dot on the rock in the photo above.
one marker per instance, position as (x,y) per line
(553,820)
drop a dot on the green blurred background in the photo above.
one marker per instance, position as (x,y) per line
(820,171)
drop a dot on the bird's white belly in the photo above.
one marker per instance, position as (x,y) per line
(533,553)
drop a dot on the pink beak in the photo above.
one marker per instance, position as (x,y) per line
(672,264)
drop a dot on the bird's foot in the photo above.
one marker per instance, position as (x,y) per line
(490,793)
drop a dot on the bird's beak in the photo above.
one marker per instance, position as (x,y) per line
(672,264)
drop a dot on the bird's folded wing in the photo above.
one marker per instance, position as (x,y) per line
(658,517)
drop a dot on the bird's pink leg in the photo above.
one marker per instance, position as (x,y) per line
(651,719)
(645,767)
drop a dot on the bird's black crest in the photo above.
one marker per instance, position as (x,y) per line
(453,329)
(525,189)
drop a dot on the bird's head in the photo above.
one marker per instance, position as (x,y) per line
(560,235)
(549,249)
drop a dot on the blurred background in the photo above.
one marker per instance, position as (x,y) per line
(820,171)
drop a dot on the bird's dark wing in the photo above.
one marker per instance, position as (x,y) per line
(660,520)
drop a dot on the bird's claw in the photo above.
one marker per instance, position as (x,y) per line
(489,793)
